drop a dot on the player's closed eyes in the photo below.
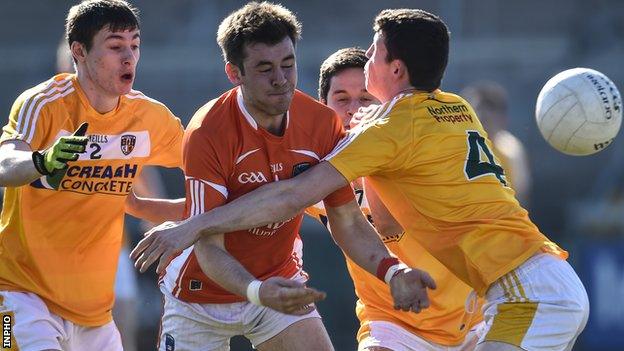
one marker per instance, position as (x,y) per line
(344,100)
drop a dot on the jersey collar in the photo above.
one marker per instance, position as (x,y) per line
(248,117)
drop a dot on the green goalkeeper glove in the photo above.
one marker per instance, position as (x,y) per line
(65,149)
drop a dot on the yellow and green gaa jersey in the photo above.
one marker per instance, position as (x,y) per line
(429,159)
(60,238)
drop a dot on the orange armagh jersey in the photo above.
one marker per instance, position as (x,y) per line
(452,313)
(429,159)
(226,155)
(61,240)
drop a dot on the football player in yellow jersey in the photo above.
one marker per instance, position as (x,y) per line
(62,219)
(450,325)
(427,156)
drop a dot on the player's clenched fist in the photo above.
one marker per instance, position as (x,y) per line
(288,296)
(64,150)
(409,289)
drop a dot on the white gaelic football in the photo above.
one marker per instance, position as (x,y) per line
(579,111)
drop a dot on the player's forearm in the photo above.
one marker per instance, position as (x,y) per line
(221,267)
(155,210)
(385,223)
(358,240)
(270,203)
(16,167)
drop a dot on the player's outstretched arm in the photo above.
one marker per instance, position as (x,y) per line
(281,294)
(270,203)
(16,164)
(155,210)
(19,165)
(361,243)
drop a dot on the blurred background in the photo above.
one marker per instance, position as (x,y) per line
(576,201)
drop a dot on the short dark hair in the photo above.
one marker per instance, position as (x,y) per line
(255,22)
(89,17)
(419,39)
(336,63)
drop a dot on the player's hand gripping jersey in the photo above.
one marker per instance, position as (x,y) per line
(227,155)
(453,312)
(429,159)
(61,239)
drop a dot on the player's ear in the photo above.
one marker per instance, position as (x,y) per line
(399,70)
(233,73)
(78,51)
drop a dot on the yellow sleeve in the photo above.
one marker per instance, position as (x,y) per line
(167,148)
(29,121)
(378,147)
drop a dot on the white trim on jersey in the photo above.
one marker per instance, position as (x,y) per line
(220,188)
(241,106)
(248,117)
(135,94)
(196,190)
(355,132)
(57,89)
(175,271)
(172,279)
(50,99)
(307,153)
(242,157)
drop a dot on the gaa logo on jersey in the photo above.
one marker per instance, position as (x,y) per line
(127,143)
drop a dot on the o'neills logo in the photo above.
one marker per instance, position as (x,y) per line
(610,101)
(127,143)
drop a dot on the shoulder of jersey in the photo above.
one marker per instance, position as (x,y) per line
(214,115)
(302,103)
(137,97)
(50,90)
(446,97)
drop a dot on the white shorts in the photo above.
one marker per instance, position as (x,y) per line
(541,305)
(396,338)
(35,328)
(209,327)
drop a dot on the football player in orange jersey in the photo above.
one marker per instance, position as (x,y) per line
(251,282)
(428,157)
(447,327)
(66,195)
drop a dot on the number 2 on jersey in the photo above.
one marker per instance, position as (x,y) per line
(475,167)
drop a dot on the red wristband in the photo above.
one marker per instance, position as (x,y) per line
(384,265)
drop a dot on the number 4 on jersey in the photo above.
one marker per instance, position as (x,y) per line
(475,167)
